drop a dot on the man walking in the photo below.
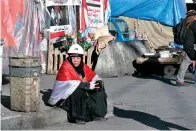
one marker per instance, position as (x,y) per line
(189,47)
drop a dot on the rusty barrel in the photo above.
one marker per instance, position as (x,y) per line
(24,83)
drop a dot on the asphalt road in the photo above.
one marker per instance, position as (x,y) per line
(145,104)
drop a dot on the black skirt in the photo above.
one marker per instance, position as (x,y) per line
(86,105)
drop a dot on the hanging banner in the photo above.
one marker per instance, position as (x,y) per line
(95,14)
(94,1)
(62,2)
(61,22)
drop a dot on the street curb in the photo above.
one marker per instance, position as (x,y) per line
(40,119)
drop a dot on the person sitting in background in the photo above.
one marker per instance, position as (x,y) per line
(79,90)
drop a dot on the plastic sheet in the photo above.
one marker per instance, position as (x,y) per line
(72,18)
(117,58)
(21,28)
(43,55)
(42,15)
(167,12)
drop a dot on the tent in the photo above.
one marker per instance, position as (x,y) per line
(151,18)
(167,12)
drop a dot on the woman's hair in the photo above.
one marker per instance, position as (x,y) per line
(190,19)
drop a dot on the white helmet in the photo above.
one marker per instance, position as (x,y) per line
(76,49)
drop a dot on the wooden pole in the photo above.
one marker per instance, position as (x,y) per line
(78,18)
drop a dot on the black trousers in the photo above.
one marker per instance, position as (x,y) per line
(86,105)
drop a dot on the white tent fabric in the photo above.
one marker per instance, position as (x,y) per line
(158,34)
(116,59)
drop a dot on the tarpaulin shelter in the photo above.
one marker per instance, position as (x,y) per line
(154,18)
(167,12)
(10,15)
(20,28)
(151,18)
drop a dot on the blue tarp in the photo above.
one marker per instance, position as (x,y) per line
(167,12)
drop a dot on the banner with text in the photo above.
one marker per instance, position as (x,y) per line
(95,14)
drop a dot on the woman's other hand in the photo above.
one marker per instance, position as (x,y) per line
(97,85)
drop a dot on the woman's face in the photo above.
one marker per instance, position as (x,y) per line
(76,61)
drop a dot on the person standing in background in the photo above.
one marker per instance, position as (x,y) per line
(189,48)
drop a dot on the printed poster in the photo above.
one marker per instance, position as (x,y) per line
(60,22)
(95,14)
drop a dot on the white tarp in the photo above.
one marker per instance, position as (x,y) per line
(189,1)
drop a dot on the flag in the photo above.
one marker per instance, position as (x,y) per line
(84,16)
(57,36)
(9,16)
(107,10)
(84,19)
(86,32)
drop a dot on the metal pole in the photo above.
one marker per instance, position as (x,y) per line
(1,62)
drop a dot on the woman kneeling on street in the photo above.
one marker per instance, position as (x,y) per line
(79,90)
